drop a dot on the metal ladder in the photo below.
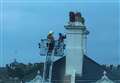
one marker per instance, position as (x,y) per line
(48,58)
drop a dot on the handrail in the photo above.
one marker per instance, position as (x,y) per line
(58,48)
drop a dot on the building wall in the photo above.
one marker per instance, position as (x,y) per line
(58,71)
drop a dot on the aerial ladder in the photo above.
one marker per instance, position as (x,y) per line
(57,52)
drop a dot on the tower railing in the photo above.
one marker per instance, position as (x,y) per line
(59,47)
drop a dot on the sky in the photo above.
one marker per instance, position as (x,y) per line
(25,22)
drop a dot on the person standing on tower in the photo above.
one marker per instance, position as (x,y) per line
(51,42)
(61,38)
(61,45)
(50,46)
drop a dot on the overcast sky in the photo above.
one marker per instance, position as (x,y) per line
(26,22)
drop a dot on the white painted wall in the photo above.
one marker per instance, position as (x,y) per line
(74,49)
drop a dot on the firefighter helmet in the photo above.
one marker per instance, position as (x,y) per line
(50,32)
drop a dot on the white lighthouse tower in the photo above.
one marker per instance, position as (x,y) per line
(76,34)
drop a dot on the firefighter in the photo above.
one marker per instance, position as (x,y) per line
(51,42)
(61,38)
(50,45)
